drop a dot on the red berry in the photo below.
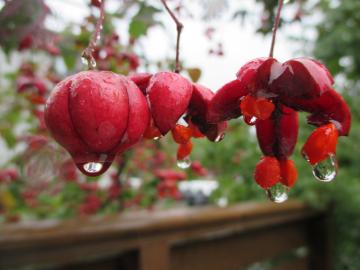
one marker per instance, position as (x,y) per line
(267,172)
(184,150)
(181,134)
(288,172)
(95,115)
(321,143)
(169,95)
(256,107)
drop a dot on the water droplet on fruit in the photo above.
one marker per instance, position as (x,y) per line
(278,193)
(156,138)
(326,170)
(250,120)
(93,167)
(220,137)
(183,163)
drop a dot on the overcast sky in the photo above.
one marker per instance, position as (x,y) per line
(241,44)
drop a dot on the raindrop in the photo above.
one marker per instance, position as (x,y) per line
(278,193)
(183,163)
(91,63)
(156,138)
(250,120)
(84,60)
(326,170)
(220,137)
(93,167)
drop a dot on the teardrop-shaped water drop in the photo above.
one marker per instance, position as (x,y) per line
(250,120)
(183,163)
(278,193)
(84,60)
(92,63)
(326,170)
(220,137)
(93,167)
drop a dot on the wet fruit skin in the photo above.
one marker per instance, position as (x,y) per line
(170,98)
(169,95)
(94,115)
(267,172)
(321,144)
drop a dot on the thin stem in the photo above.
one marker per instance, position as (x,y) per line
(276,26)
(179,27)
(89,50)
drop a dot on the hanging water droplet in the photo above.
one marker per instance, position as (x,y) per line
(84,60)
(93,167)
(156,138)
(278,193)
(184,163)
(250,120)
(92,63)
(326,170)
(220,137)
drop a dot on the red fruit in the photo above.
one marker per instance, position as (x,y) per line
(8,175)
(195,132)
(96,3)
(169,174)
(259,108)
(25,43)
(277,135)
(288,172)
(184,150)
(181,134)
(141,80)
(267,172)
(28,83)
(225,103)
(300,77)
(198,168)
(139,117)
(93,115)
(91,205)
(321,143)
(198,112)
(151,131)
(169,95)
(329,107)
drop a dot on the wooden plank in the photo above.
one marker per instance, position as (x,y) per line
(297,264)
(238,251)
(75,241)
(154,256)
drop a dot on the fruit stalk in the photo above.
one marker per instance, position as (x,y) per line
(179,27)
(276,26)
(88,52)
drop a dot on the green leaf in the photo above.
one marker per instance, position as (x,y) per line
(137,28)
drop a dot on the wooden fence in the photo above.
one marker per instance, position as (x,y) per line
(290,235)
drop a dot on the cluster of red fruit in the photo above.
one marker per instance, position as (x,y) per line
(269,95)
(96,115)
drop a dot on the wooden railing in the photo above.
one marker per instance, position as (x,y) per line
(204,238)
